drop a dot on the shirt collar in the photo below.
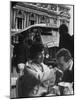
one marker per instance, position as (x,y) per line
(70,64)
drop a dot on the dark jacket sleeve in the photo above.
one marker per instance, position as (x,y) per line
(21,54)
(68,76)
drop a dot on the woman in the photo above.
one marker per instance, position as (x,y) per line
(37,69)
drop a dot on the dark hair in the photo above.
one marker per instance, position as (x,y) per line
(65,53)
(63,29)
(35,49)
(26,83)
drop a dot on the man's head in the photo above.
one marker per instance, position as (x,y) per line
(63,29)
(63,57)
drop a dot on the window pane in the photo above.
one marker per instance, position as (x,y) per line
(19,23)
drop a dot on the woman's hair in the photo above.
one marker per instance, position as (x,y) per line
(35,49)
(63,53)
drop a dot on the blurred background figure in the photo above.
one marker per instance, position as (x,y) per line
(66,41)
(20,55)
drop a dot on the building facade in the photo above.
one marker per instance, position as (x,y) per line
(23,15)
(26,14)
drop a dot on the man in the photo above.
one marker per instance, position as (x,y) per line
(65,63)
(66,39)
